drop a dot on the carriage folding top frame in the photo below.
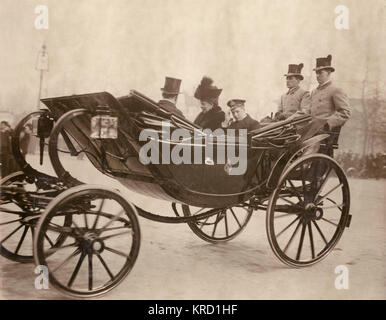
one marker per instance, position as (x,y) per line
(306,195)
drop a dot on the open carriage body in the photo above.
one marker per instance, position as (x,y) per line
(294,188)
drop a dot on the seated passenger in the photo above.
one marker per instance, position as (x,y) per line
(211,115)
(241,120)
(296,98)
(170,93)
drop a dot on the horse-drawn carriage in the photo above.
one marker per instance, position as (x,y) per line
(306,196)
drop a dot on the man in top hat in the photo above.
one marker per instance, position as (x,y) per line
(170,93)
(327,101)
(296,98)
(242,120)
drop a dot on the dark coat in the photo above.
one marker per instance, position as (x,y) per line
(210,120)
(247,123)
(170,107)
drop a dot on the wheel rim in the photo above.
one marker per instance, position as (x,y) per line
(223,226)
(308,211)
(19,214)
(101,247)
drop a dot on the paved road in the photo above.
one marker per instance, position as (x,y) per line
(174,263)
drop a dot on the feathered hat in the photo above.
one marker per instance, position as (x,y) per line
(206,91)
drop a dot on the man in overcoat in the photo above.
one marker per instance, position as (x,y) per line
(328,102)
(296,98)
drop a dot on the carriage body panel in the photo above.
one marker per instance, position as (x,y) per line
(204,184)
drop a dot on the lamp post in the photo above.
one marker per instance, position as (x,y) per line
(41,65)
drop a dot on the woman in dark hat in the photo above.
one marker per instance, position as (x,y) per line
(211,115)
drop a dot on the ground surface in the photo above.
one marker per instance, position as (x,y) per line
(173,263)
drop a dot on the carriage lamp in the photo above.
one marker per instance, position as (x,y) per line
(42,128)
(104,124)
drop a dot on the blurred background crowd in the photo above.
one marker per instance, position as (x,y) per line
(355,165)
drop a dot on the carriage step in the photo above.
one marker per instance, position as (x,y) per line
(348,221)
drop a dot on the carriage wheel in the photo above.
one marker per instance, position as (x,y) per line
(308,211)
(19,213)
(223,226)
(102,242)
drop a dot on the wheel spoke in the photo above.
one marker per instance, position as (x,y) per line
(11,234)
(76,270)
(295,191)
(115,218)
(281,232)
(323,182)
(197,212)
(234,216)
(97,214)
(85,220)
(226,223)
(203,223)
(215,224)
(320,232)
(339,206)
(289,201)
(60,229)
(117,252)
(301,242)
(105,265)
(292,237)
(72,255)
(303,182)
(311,240)
(48,239)
(9,222)
(51,251)
(21,239)
(116,235)
(284,215)
(324,219)
(11,211)
(333,189)
(90,271)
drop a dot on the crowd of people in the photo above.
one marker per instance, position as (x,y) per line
(355,165)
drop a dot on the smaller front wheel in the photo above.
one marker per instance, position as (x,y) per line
(102,242)
(224,225)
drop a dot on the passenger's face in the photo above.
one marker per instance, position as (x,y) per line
(292,82)
(322,76)
(238,113)
(205,106)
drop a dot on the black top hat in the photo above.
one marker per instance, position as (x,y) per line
(172,86)
(295,70)
(324,63)
(235,103)
(206,91)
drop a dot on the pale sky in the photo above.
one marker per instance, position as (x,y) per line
(245,46)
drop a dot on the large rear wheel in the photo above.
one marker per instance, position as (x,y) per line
(308,211)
